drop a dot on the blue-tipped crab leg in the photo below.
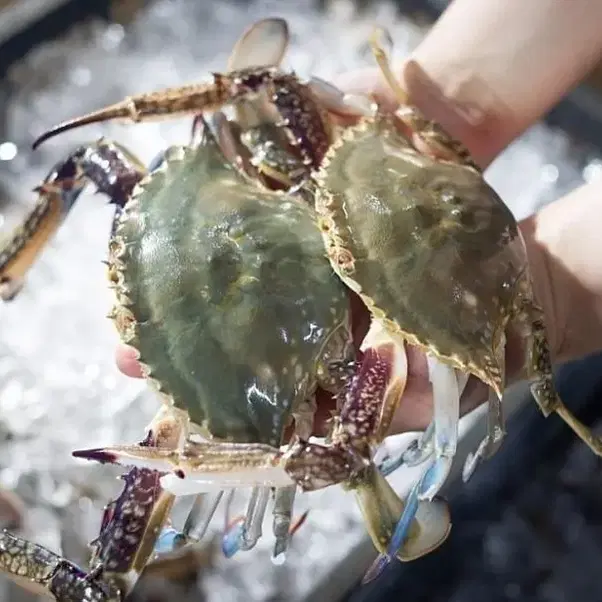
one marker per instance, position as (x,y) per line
(446,415)
(244,535)
(240,532)
(195,527)
(495,431)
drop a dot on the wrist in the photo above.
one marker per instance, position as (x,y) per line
(564,247)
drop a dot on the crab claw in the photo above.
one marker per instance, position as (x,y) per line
(111,168)
(439,443)
(201,467)
(43,572)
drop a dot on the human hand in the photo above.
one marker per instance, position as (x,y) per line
(485,72)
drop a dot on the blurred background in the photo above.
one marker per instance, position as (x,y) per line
(528,527)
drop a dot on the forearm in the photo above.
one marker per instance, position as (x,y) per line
(494,67)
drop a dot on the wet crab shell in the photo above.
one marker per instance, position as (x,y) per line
(429,246)
(224,289)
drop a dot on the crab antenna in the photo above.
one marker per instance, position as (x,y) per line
(172,102)
(379,40)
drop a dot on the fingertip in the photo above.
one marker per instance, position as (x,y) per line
(127,361)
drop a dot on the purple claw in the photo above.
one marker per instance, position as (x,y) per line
(96,455)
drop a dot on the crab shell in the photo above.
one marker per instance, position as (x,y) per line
(431,249)
(224,289)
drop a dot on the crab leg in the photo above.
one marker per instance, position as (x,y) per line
(364,420)
(446,409)
(426,134)
(297,108)
(262,44)
(540,371)
(195,529)
(492,440)
(110,167)
(284,501)
(43,572)
(244,534)
(423,448)
(201,467)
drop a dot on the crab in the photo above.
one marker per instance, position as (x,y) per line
(270,103)
(408,224)
(411,226)
(122,552)
(223,287)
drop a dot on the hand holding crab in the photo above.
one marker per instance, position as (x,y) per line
(455,279)
(577,337)
(454,284)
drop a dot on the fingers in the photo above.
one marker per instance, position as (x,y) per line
(488,70)
(127,361)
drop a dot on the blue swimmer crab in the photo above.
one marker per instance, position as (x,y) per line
(237,315)
(120,553)
(410,225)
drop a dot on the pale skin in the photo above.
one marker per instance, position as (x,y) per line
(486,72)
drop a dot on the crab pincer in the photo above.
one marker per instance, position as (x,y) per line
(129,529)
(104,163)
